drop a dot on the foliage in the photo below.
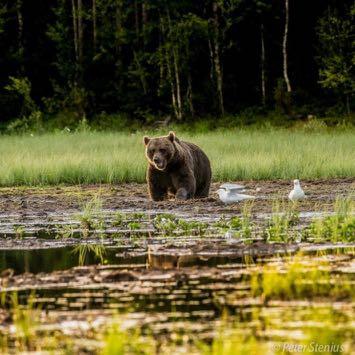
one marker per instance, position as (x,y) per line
(30,116)
(181,60)
(337,56)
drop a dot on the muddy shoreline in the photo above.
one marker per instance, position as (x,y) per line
(24,201)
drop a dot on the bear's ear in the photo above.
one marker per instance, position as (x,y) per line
(171,136)
(146,140)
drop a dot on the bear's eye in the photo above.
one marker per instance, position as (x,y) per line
(163,151)
(151,151)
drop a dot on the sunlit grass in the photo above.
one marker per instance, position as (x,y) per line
(339,227)
(98,157)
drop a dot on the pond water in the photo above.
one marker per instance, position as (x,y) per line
(171,284)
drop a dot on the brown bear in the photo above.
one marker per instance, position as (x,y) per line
(176,167)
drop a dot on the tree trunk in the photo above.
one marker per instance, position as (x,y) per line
(118,25)
(284,47)
(217,62)
(77,12)
(177,79)
(20,34)
(144,14)
(144,20)
(80,33)
(172,85)
(211,59)
(348,110)
(75,29)
(189,94)
(166,55)
(136,18)
(94,25)
(175,57)
(161,63)
(140,71)
(263,77)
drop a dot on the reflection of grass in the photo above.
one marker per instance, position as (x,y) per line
(119,341)
(25,336)
(25,319)
(253,330)
(82,250)
(299,281)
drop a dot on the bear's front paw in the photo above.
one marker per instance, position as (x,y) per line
(181,194)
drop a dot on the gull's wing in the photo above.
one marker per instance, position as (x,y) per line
(245,197)
(232,187)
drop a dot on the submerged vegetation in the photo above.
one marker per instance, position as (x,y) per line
(94,157)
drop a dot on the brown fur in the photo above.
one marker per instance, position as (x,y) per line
(176,167)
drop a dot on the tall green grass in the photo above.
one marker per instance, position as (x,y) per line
(99,157)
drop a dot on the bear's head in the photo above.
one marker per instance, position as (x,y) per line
(159,151)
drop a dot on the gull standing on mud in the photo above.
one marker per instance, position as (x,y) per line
(230,193)
(297,193)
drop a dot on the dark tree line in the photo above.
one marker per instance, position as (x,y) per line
(174,57)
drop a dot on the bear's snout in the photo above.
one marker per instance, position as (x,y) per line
(159,162)
(156,160)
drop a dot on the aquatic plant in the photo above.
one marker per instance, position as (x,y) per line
(130,220)
(222,223)
(195,227)
(169,224)
(118,219)
(339,227)
(284,216)
(65,231)
(239,226)
(91,218)
(137,215)
(246,222)
(133,225)
(165,223)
